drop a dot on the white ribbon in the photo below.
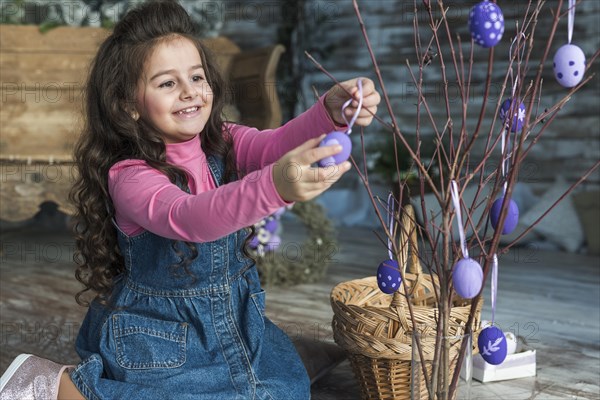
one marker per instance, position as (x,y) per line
(390,202)
(571,19)
(348,102)
(494,288)
(461,231)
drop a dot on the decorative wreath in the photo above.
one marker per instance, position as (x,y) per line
(290,263)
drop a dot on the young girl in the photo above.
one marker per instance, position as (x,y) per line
(164,192)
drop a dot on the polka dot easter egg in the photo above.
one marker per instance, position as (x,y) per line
(569,65)
(518,115)
(492,345)
(512,218)
(334,138)
(467,278)
(486,23)
(388,276)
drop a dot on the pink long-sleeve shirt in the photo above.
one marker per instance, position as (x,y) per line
(145,199)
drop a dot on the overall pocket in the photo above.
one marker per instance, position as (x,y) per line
(146,343)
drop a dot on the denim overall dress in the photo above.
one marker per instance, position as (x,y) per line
(167,335)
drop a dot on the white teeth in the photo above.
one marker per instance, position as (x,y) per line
(188,110)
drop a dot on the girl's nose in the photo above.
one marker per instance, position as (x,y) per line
(188,92)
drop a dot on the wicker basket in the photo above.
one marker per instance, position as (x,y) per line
(376,329)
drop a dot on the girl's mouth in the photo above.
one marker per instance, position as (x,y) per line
(188,111)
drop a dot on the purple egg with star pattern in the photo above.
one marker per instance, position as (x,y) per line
(388,276)
(569,65)
(486,23)
(467,278)
(518,115)
(334,138)
(510,221)
(492,345)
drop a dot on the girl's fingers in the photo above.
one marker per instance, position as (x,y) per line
(312,155)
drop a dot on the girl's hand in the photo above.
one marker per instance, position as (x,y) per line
(337,96)
(296,180)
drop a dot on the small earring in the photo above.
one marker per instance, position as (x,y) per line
(135,115)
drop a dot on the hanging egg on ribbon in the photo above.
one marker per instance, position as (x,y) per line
(512,217)
(388,276)
(334,138)
(342,138)
(467,278)
(486,23)
(569,65)
(518,114)
(492,345)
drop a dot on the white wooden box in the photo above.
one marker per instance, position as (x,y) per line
(517,365)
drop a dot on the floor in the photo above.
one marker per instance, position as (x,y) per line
(552,300)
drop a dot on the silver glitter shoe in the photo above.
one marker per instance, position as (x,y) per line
(30,377)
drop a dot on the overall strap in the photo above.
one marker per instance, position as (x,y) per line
(216,166)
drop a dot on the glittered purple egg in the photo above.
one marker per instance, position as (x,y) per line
(492,345)
(518,114)
(486,23)
(569,65)
(467,278)
(388,276)
(512,218)
(334,138)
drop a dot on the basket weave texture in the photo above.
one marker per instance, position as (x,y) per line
(376,329)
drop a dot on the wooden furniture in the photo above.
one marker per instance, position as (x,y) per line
(41,78)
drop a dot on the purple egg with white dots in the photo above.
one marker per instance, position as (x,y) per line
(492,345)
(512,217)
(467,278)
(333,138)
(569,65)
(388,276)
(518,114)
(486,23)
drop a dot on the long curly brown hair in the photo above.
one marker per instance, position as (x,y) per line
(111,134)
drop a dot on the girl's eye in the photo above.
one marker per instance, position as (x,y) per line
(197,78)
(168,84)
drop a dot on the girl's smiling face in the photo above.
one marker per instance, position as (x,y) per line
(173,94)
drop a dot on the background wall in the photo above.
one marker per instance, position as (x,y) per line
(330,32)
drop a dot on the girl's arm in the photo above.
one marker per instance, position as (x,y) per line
(255,149)
(145,199)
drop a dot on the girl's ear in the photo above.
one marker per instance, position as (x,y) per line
(129,108)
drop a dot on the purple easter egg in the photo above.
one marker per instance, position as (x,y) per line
(388,276)
(334,138)
(273,243)
(486,23)
(569,65)
(518,114)
(512,218)
(271,225)
(492,345)
(467,278)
